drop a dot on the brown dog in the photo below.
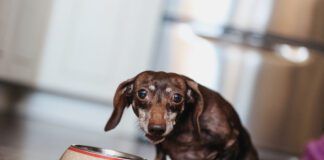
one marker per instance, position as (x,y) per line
(185,120)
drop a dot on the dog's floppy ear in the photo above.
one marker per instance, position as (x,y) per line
(123,98)
(195,97)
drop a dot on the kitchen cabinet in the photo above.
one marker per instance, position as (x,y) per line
(23,28)
(27,40)
(92,46)
(80,47)
(6,17)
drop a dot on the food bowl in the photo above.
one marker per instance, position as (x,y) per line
(82,152)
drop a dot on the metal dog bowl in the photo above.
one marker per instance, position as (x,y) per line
(82,152)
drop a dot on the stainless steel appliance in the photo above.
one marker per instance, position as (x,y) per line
(266,57)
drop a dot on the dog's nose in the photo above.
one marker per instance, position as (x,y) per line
(156,129)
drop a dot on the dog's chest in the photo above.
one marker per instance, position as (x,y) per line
(184,146)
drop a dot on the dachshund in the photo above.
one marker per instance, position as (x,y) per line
(185,120)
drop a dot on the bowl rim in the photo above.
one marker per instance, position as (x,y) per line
(106,152)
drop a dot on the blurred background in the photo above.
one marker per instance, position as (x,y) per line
(61,61)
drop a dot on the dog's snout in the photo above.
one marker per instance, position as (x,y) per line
(156,129)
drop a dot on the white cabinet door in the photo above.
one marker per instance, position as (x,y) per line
(23,28)
(7,14)
(92,45)
(3,27)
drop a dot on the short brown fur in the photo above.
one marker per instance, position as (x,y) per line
(206,127)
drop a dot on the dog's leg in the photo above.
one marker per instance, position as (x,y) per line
(160,154)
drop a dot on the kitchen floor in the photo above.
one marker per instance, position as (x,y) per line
(26,139)
(40,125)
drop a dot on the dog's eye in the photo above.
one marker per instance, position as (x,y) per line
(177,98)
(142,93)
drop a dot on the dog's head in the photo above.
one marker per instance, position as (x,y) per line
(158,99)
